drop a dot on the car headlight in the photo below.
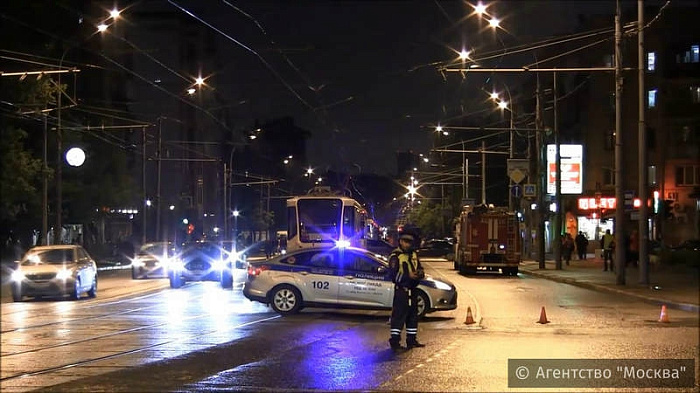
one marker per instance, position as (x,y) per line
(137,262)
(219,265)
(442,286)
(64,274)
(17,276)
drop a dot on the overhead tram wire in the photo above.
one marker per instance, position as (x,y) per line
(269,67)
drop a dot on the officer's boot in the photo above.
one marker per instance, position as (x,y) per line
(412,342)
(395,343)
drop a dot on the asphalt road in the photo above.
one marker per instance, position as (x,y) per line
(143,336)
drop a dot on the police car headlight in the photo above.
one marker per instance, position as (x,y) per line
(342,244)
(17,276)
(439,285)
(219,264)
(175,264)
(64,274)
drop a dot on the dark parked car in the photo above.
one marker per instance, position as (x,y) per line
(436,248)
(379,247)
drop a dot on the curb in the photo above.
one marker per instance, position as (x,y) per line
(649,299)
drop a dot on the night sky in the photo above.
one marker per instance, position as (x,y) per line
(360,75)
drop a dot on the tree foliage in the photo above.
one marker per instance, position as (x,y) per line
(429,218)
(20,176)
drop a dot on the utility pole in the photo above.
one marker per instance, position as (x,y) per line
(557,183)
(483,172)
(643,257)
(160,163)
(619,230)
(144,204)
(45,188)
(540,179)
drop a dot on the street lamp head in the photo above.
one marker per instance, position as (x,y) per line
(480,9)
(114,14)
(438,128)
(75,156)
(191,91)
(236,213)
(172,207)
(102,27)
(494,23)
(464,54)
(494,96)
(148,202)
(503,105)
(199,81)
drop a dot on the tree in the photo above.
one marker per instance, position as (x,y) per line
(428,217)
(20,176)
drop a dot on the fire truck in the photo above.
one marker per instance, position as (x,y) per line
(487,238)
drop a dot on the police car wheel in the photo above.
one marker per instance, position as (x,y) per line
(422,304)
(285,299)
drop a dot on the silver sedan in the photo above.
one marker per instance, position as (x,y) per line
(336,277)
(55,271)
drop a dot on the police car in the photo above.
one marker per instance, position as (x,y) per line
(336,277)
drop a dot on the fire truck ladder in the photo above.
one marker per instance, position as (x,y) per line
(511,241)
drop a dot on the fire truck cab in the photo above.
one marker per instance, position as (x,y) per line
(487,238)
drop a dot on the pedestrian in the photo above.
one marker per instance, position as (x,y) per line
(567,247)
(608,243)
(581,245)
(406,272)
(633,248)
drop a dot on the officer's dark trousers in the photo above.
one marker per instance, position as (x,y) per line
(403,313)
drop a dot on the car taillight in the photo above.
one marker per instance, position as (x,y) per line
(257,270)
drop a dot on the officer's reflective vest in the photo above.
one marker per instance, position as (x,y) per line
(402,277)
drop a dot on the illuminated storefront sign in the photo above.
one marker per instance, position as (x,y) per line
(603,203)
(571,169)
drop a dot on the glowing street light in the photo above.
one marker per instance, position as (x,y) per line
(503,105)
(480,9)
(102,27)
(464,54)
(114,14)
(494,96)
(191,91)
(494,23)
(75,156)
(199,81)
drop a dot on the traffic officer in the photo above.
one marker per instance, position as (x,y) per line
(406,272)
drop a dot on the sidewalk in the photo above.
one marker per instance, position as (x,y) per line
(675,286)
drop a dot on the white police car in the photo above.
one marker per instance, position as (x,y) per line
(336,277)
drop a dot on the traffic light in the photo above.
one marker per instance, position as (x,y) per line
(668,209)
(190,228)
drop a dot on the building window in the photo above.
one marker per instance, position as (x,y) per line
(688,175)
(690,56)
(610,140)
(651,98)
(695,94)
(651,61)
(609,60)
(608,177)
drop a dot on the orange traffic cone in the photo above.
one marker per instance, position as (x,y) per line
(470,319)
(663,317)
(543,317)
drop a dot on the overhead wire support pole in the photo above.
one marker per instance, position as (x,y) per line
(643,231)
(619,228)
(557,183)
(144,204)
(541,184)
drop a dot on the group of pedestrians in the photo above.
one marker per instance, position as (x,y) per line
(569,244)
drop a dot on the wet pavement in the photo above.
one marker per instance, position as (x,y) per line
(676,286)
